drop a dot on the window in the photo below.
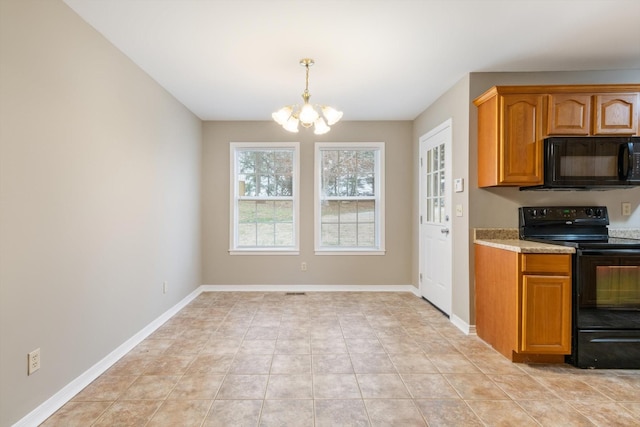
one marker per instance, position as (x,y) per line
(349,198)
(264,201)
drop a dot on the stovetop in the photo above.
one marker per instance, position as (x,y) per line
(573,226)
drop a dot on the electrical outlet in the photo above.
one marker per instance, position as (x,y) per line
(165,287)
(626,208)
(303,266)
(33,360)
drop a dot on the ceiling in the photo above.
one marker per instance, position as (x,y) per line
(375,59)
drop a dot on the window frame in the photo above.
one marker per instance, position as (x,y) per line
(234,148)
(379,198)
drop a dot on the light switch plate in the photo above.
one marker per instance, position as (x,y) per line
(458,210)
(458,185)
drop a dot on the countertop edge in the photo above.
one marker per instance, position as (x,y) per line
(525,246)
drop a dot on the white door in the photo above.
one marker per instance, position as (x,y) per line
(435,214)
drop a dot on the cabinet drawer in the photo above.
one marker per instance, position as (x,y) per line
(546,264)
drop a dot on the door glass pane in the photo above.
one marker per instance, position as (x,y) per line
(435,184)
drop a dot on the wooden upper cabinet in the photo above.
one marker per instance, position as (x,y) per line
(521,144)
(616,114)
(569,114)
(510,139)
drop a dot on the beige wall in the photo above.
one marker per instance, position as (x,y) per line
(220,268)
(452,105)
(100,189)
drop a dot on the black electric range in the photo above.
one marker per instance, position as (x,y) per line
(606,282)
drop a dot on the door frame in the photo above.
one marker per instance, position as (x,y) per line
(446,126)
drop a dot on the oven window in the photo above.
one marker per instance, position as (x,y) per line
(617,286)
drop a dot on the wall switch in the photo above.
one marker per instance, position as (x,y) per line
(303,266)
(458,185)
(626,208)
(165,287)
(458,210)
(33,361)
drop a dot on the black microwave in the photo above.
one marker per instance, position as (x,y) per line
(594,162)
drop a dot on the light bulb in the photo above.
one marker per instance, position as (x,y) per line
(308,115)
(331,114)
(320,127)
(291,125)
(282,115)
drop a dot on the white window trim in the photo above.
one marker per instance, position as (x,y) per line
(379,191)
(233,188)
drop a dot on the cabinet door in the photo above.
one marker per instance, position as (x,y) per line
(569,114)
(546,314)
(520,151)
(615,114)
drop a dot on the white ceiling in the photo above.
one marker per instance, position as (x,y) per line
(375,59)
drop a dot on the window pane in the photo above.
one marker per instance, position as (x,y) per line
(246,211)
(366,211)
(366,185)
(366,163)
(284,185)
(348,235)
(266,234)
(330,211)
(249,185)
(283,211)
(366,234)
(264,211)
(330,234)
(246,162)
(247,234)
(266,185)
(348,211)
(264,161)
(283,161)
(284,234)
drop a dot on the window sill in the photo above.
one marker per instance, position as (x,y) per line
(349,252)
(263,252)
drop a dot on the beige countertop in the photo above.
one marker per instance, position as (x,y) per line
(507,239)
(525,246)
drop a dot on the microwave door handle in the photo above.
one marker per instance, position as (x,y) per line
(625,155)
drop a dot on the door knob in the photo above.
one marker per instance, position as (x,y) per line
(444,230)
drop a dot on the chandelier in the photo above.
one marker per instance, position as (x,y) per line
(318,116)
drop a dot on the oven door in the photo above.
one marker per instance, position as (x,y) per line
(606,309)
(608,289)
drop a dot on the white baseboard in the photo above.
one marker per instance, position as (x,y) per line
(462,325)
(55,402)
(310,288)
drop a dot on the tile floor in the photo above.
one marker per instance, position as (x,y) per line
(337,359)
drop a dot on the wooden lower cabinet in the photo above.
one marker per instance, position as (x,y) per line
(523,303)
(546,323)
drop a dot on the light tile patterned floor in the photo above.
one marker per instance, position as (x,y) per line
(338,359)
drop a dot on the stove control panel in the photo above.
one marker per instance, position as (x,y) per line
(567,214)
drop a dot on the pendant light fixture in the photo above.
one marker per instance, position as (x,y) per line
(318,116)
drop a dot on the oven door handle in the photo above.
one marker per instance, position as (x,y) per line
(608,252)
